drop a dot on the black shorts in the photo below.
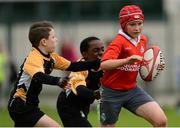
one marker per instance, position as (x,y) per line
(71,115)
(23,115)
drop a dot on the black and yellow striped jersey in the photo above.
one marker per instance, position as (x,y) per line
(89,78)
(35,70)
(28,89)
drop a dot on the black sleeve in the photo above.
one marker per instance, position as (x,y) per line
(43,78)
(85,94)
(84,65)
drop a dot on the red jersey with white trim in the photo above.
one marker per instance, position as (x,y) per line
(123,46)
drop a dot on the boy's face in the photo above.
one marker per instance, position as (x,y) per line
(51,42)
(95,50)
(134,28)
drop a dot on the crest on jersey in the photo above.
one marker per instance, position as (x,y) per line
(142,49)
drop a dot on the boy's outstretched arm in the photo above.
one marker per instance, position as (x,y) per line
(116,63)
(64,64)
(43,78)
(83,65)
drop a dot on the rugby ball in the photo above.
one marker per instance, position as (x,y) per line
(151,62)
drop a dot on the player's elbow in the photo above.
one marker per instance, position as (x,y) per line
(85,94)
(105,65)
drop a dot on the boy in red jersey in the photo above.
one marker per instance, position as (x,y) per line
(121,62)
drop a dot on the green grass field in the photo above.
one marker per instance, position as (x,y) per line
(126,119)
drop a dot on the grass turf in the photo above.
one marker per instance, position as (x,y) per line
(126,119)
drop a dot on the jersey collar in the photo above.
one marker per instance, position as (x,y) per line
(133,41)
(47,56)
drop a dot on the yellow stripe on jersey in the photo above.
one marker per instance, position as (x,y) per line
(60,62)
(20,93)
(35,60)
(76,79)
(34,63)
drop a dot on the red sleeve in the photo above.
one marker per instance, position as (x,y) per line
(113,50)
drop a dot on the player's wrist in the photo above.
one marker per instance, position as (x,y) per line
(126,60)
(62,82)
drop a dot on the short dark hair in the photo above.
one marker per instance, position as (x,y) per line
(39,30)
(85,43)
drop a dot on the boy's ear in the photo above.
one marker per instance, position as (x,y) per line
(43,42)
(85,55)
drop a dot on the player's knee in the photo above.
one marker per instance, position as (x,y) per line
(161,122)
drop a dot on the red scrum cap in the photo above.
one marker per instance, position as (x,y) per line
(130,13)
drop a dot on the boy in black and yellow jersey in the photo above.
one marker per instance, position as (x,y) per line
(23,103)
(73,104)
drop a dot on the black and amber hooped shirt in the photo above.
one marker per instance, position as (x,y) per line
(28,89)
